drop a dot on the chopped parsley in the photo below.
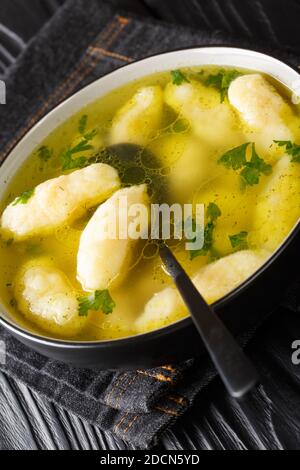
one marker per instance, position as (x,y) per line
(24,197)
(90,135)
(9,242)
(178,78)
(45,153)
(291,149)
(82,124)
(213,212)
(69,163)
(98,300)
(239,240)
(221,81)
(251,170)
(67,156)
(235,158)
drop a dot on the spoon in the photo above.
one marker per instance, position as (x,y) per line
(236,371)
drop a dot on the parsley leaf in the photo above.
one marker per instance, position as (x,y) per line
(221,81)
(250,176)
(82,146)
(251,171)
(67,160)
(98,300)
(178,77)
(259,163)
(24,197)
(235,158)
(291,149)
(239,240)
(82,124)
(90,135)
(45,153)
(213,212)
(208,240)
(69,163)
(284,143)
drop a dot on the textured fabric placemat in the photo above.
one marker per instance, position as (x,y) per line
(84,41)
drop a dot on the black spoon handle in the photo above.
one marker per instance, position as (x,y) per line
(236,371)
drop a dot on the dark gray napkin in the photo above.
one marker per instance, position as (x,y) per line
(84,41)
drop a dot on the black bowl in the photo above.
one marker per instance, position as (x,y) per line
(240,310)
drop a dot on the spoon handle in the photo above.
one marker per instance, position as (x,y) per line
(236,371)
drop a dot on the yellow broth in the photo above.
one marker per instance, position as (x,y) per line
(219,185)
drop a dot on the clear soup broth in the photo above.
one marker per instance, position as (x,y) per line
(221,137)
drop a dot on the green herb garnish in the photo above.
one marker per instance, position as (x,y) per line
(235,158)
(239,240)
(82,124)
(221,81)
(24,197)
(45,153)
(67,160)
(9,242)
(251,170)
(90,135)
(213,212)
(70,163)
(208,240)
(178,77)
(291,149)
(98,300)
(250,176)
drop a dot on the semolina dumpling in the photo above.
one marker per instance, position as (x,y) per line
(277,208)
(220,277)
(262,109)
(139,118)
(59,201)
(46,297)
(103,257)
(163,308)
(190,171)
(213,281)
(214,123)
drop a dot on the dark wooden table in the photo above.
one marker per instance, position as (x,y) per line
(29,422)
